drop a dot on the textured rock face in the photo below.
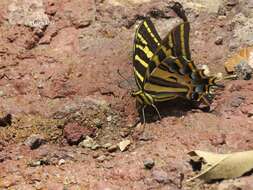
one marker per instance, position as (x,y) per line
(58,79)
(28,12)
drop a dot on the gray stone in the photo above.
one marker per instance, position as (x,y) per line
(219,40)
(243,70)
(149,163)
(35,141)
(145,136)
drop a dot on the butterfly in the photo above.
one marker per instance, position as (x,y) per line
(163,68)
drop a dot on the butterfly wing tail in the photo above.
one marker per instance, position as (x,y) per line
(178,9)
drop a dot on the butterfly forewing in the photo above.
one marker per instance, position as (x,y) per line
(146,42)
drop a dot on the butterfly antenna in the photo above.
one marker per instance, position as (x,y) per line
(123,77)
(179,10)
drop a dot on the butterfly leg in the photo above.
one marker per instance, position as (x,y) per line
(157,111)
(143,114)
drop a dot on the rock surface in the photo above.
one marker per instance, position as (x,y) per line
(59,79)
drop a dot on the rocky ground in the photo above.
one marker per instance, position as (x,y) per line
(59,81)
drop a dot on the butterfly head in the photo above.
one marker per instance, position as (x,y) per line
(206,92)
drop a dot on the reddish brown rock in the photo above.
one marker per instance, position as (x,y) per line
(79,13)
(74,133)
(58,88)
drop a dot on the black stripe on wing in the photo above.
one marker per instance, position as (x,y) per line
(148,32)
(179,10)
(181,40)
(175,44)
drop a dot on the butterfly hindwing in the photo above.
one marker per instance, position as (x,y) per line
(167,81)
(175,44)
(175,73)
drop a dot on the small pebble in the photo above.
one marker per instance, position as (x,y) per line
(112,148)
(219,40)
(123,145)
(145,137)
(95,155)
(95,147)
(109,118)
(101,158)
(149,163)
(35,141)
(125,133)
(98,123)
(88,143)
(61,162)
(250,113)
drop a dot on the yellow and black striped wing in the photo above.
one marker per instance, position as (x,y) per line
(175,44)
(178,41)
(174,73)
(167,82)
(168,75)
(146,42)
(177,77)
